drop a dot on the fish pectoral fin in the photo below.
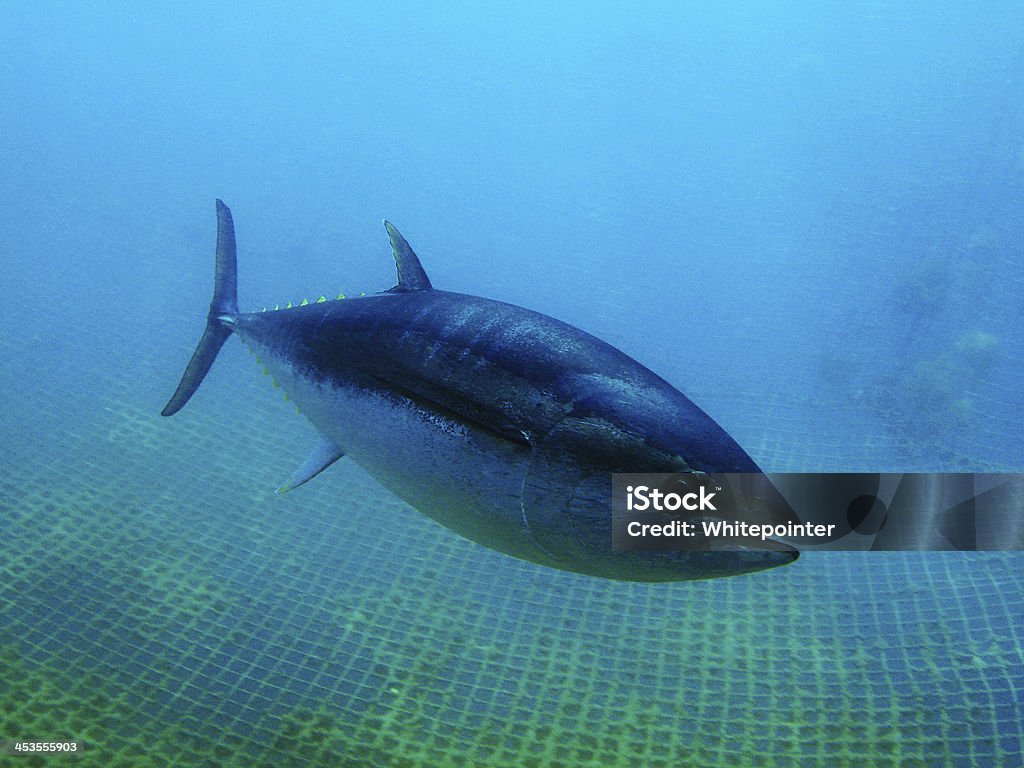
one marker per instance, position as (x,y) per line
(451,405)
(320,458)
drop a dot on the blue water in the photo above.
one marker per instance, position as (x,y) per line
(809,218)
(736,195)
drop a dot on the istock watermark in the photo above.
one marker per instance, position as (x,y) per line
(642,498)
(838,511)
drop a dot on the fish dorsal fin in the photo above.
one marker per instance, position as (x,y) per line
(411,276)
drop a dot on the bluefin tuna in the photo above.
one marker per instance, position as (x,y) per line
(501,423)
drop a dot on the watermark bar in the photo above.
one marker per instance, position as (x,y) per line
(809,511)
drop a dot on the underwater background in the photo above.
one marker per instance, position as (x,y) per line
(808,216)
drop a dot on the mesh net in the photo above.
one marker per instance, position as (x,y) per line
(158,602)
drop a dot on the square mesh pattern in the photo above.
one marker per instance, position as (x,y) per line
(160,603)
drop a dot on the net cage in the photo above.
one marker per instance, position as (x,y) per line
(159,603)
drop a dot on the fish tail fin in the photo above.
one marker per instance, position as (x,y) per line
(221,318)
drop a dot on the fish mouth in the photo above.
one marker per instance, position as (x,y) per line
(738,556)
(742,558)
(771,549)
(764,559)
(754,545)
(738,560)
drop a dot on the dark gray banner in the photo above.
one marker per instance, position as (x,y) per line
(826,511)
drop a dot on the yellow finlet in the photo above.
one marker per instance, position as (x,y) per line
(321,300)
(304,302)
(289,305)
(341,295)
